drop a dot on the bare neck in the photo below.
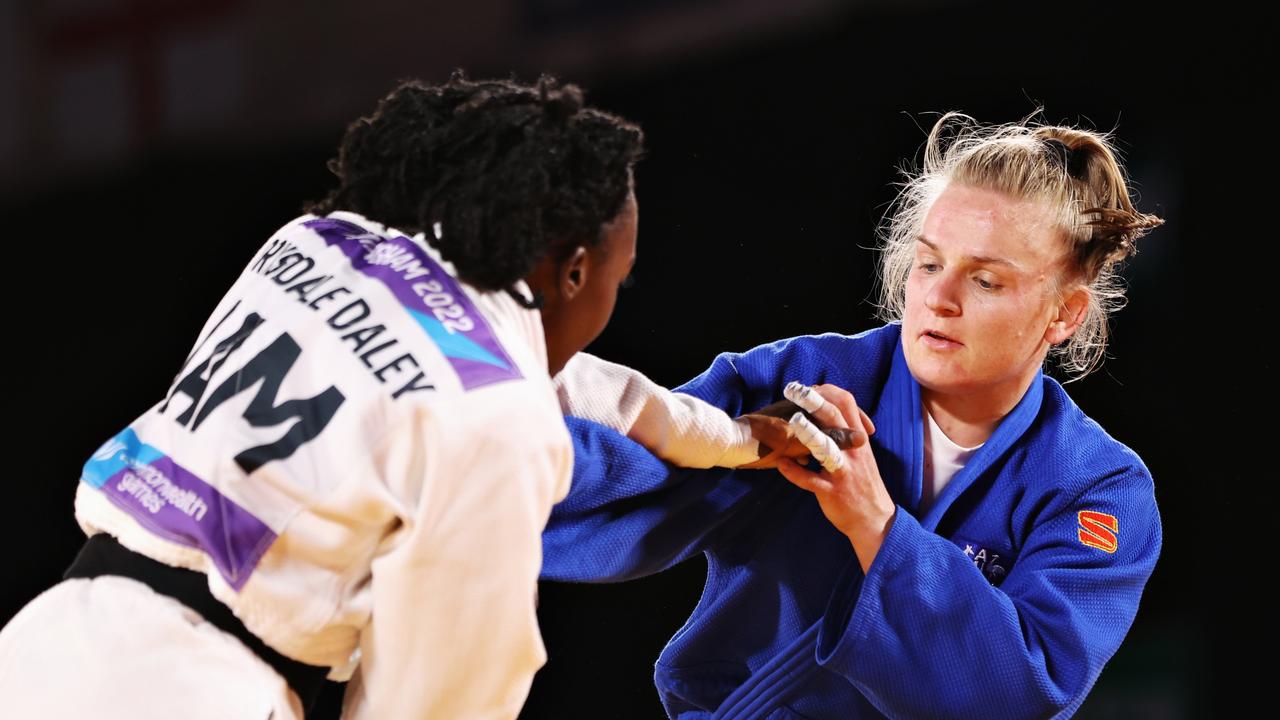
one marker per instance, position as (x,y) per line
(969,419)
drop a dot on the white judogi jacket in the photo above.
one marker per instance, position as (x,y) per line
(361,453)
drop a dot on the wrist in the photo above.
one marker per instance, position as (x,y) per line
(868,534)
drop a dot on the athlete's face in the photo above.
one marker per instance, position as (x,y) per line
(580,292)
(983,304)
(613,258)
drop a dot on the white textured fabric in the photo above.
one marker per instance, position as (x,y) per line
(678,428)
(338,458)
(125,641)
(942,460)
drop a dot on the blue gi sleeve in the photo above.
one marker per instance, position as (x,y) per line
(629,514)
(926,634)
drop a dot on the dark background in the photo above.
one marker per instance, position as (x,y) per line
(134,194)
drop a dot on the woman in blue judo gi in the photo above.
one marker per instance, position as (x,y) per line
(984,554)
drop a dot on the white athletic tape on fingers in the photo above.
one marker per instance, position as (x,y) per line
(806,397)
(823,448)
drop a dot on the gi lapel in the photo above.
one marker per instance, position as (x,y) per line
(1011,428)
(899,439)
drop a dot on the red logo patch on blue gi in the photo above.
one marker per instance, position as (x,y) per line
(1099,530)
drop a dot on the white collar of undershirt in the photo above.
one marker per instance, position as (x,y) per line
(942,460)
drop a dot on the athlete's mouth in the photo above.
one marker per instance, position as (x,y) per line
(939,336)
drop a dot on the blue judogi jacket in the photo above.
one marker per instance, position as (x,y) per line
(1004,599)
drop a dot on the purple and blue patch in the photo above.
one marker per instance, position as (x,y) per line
(175,504)
(431,296)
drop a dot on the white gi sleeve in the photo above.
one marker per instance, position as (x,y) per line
(453,630)
(678,428)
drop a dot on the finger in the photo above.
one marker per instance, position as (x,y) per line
(822,447)
(842,400)
(813,403)
(804,396)
(867,426)
(770,432)
(846,438)
(802,478)
(781,409)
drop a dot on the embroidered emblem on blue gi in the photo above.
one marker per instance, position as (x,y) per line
(993,566)
(1099,530)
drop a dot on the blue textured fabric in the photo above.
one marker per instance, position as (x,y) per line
(991,605)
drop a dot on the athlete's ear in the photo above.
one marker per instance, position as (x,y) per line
(574,272)
(1070,315)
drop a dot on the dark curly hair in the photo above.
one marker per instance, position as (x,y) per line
(510,172)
